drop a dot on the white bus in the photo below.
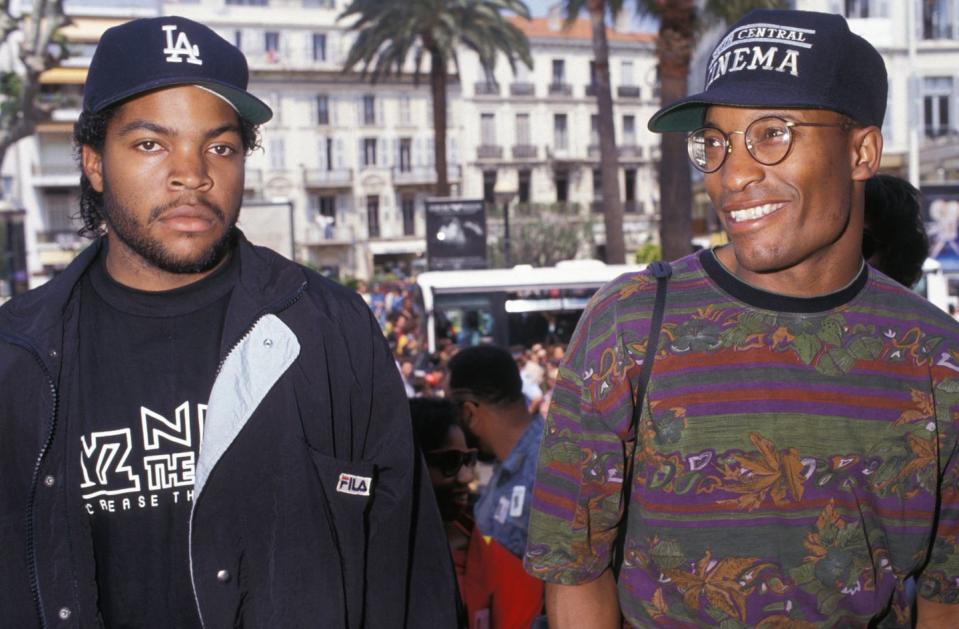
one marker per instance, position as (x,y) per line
(524,305)
(518,306)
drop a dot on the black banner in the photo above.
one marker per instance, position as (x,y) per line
(13,262)
(455,234)
(940,212)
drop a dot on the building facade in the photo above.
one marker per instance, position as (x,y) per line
(354,160)
(530,137)
(40,173)
(347,163)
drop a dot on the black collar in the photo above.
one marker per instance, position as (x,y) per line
(774,301)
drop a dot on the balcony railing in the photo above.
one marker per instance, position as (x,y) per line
(422,175)
(592,89)
(630,150)
(593,150)
(632,207)
(596,206)
(628,91)
(524,151)
(316,233)
(253,179)
(327,178)
(55,170)
(293,58)
(489,151)
(55,175)
(560,89)
(62,238)
(485,88)
(522,89)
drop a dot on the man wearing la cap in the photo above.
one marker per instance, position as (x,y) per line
(795,458)
(197,431)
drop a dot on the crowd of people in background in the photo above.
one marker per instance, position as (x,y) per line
(424,373)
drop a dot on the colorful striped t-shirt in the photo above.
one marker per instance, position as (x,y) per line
(789,459)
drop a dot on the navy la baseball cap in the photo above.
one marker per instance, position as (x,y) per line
(787,59)
(150,53)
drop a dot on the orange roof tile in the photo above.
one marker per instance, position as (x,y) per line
(582,28)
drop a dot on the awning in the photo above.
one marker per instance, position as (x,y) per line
(88,29)
(51,126)
(64,76)
(386,247)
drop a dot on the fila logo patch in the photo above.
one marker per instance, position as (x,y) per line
(175,50)
(355,485)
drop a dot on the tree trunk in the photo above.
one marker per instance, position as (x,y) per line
(438,88)
(674,49)
(609,160)
(37,52)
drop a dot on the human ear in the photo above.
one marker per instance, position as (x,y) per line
(92,163)
(867,152)
(467,412)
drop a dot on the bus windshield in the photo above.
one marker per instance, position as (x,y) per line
(519,306)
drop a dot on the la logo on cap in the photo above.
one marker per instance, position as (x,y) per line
(175,51)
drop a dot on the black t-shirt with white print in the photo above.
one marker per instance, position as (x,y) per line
(147,363)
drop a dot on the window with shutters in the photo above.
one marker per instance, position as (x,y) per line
(373,215)
(319,46)
(406,155)
(409,216)
(322,109)
(369,152)
(369,109)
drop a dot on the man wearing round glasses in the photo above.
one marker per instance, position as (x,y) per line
(795,459)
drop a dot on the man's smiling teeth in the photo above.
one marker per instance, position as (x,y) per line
(752,213)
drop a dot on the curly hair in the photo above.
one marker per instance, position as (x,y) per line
(91,130)
(894,239)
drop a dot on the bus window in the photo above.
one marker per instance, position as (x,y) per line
(518,306)
(468,320)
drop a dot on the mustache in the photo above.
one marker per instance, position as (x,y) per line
(158,211)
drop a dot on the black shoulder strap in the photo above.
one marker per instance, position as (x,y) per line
(661,271)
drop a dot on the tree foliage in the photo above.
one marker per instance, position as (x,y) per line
(391,33)
(37,47)
(542,234)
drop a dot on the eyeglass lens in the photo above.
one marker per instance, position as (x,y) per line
(449,462)
(767,140)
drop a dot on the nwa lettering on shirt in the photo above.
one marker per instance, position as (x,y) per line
(147,364)
(766,47)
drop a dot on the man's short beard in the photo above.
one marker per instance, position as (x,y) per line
(127,230)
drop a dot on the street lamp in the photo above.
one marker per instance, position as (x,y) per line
(504,195)
(13,256)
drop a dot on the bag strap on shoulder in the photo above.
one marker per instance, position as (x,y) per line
(662,271)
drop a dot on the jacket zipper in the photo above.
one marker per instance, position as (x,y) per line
(32,564)
(273,309)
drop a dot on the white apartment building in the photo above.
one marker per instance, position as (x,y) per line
(919,40)
(354,159)
(39,172)
(532,138)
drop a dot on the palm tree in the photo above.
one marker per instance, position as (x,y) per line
(679,24)
(389,32)
(609,158)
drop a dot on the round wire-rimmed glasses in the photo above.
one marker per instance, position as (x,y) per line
(768,140)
